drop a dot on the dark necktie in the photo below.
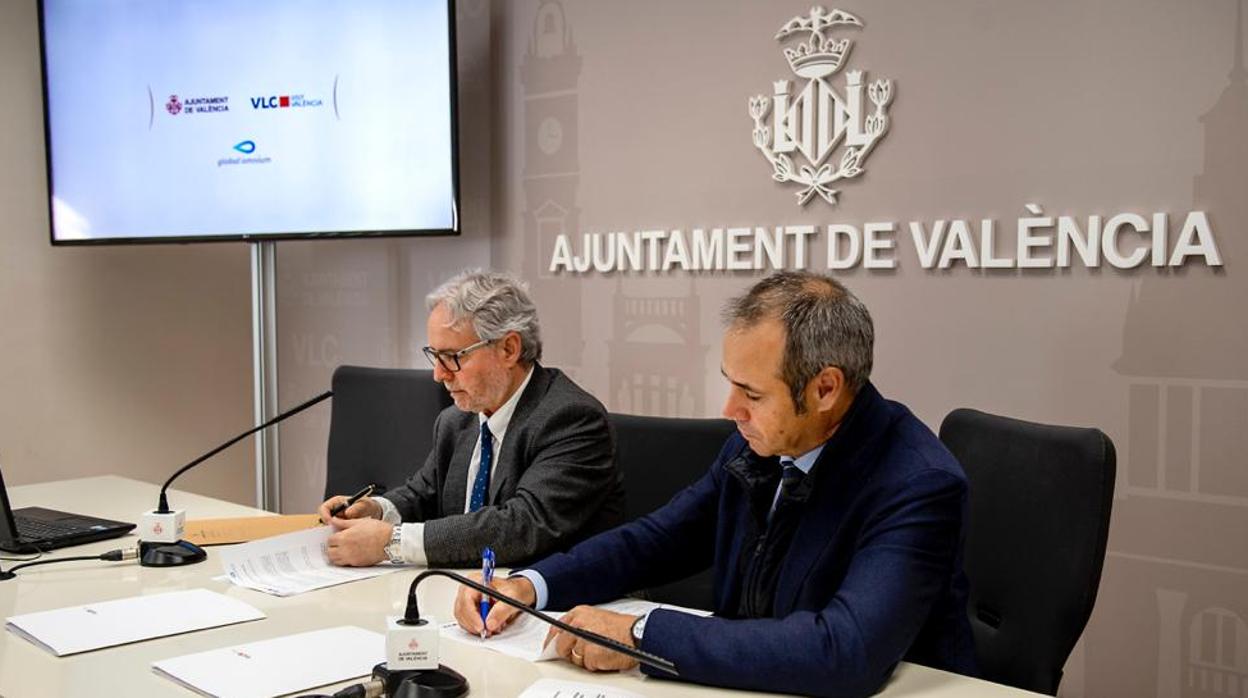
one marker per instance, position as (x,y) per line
(481,485)
(758,588)
(790,476)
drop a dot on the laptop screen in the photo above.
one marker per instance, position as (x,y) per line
(8,527)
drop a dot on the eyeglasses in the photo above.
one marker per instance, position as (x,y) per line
(449,360)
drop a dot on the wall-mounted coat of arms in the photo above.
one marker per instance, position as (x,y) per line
(812,118)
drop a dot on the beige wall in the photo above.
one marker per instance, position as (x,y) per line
(361,302)
(128,360)
(1087,107)
(1083,106)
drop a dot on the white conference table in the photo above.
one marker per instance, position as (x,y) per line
(27,670)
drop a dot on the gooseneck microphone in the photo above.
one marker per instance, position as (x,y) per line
(447,683)
(412,615)
(160,535)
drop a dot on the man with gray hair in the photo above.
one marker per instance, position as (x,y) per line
(833,521)
(524,462)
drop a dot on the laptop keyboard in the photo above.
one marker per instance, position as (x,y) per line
(31,529)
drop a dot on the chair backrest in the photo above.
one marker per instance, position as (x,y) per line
(1040,499)
(381,427)
(658,457)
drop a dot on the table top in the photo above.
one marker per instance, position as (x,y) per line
(27,670)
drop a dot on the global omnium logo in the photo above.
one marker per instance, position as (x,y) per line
(247,148)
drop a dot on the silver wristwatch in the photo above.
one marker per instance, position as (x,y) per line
(394,549)
(639,629)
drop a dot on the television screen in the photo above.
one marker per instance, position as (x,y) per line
(177,120)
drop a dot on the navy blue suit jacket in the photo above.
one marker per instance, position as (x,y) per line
(873,574)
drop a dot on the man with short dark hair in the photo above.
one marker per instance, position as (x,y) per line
(833,521)
(524,462)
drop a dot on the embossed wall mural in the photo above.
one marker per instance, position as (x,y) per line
(1046,215)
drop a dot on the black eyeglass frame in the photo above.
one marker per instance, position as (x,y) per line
(436,357)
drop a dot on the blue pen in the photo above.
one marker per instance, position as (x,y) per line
(487,574)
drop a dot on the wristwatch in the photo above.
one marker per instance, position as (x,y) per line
(639,628)
(394,549)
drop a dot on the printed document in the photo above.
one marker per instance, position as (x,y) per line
(291,564)
(524,637)
(278,666)
(557,688)
(92,626)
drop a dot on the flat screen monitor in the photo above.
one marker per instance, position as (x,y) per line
(195,120)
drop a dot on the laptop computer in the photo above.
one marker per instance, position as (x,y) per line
(35,529)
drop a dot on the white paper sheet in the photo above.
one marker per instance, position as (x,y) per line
(278,666)
(524,637)
(557,688)
(290,564)
(106,624)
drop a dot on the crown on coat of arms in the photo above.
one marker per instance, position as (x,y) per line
(821,55)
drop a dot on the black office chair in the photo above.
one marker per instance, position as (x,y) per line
(658,457)
(1040,500)
(381,427)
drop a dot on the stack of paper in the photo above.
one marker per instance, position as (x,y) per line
(290,564)
(279,666)
(93,626)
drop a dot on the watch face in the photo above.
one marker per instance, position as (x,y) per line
(549,135)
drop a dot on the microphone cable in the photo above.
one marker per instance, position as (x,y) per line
(111,556)
(33,556)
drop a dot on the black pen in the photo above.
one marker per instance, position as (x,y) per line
(368,489)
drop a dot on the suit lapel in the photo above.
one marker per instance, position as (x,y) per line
(456,489)
(817,530)
(844,461)
(508,458)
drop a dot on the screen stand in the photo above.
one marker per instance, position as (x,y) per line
(264,365)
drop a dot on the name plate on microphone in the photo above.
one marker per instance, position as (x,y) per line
(411,646)
(162,528)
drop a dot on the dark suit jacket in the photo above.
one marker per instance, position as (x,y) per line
(873,574)
(553,482)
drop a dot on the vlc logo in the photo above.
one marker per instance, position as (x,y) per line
(273,102)
(815,120)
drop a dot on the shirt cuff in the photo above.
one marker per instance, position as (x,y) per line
(539,586)
(389,512)
(413,544)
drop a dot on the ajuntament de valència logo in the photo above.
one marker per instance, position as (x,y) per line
(814,119)
(834,126)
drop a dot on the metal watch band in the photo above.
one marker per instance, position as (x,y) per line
(394,549)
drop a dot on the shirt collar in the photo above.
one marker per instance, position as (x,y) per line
(806,461)
(502,416)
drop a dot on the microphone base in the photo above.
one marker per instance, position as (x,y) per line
(443,682)
(6,576)
(153,554)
